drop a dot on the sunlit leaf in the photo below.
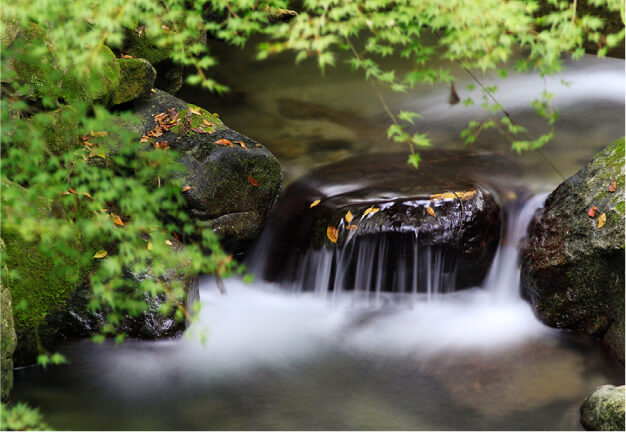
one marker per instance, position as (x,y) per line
(100,254)
(332,234)
(314,203)
(601,220)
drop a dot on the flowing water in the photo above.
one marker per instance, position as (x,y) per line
(265,357)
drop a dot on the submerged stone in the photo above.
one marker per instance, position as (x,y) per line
(572,265)
(373,222)
(604,409)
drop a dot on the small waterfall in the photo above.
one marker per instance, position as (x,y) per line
(504,275)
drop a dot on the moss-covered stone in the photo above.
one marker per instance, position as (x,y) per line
(225,180)
(137,77)
(8,341)
(573,271)
(37,285)
(604,409)
(59,129)
(98,86)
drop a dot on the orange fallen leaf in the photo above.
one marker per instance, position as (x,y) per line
(349,216)
(314,203)
(224,142)
(371,210)
(601,220)
(118,220)
(100,254)
(144,138)
(331,233)
(351,227)
(613,186)
(126,56)
(72,191)
(242,144)
(186,188)
(592,211)
(208,123)
(253,181)
(430,211)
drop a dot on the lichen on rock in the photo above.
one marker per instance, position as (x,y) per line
(604,409)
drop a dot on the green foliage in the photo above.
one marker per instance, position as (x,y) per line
(21,417)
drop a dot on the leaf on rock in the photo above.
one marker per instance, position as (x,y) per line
(100,254)
(99,134)
(613,186)
(117,220)
(186,188)
(199,130)
(72,191)
(349,216)
(430,211)
(592,211)
(314,203)
(601,220)
(253,181)
(371,210)
(242,144)
(331,233)
(168,242)
(194,111)
(224,142)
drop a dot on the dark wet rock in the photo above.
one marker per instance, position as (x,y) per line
(396,244)
(7,343)
(232,188)
(604,409)
(572,271)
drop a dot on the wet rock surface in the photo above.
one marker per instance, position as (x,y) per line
(404,221)
(572,266)
(233,186)
(604,409)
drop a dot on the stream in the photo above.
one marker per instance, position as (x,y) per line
(264,357)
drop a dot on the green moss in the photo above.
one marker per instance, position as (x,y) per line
(142,46)
(96,87)
(8,342)
(59,129)
(198,121)
(136,79)
(620,207)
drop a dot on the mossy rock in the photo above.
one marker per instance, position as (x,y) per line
(36,283)
(573,270)
(98,86)
(59,128)
(8,341)
(137,77)
(604,409)
(232,187)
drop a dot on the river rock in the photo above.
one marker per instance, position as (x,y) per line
(604,409)
(233,185)
(572,266)
(8,342)
(376,215)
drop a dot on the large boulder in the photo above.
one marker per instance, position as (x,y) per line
(374,222)
(137,77)
(234,181)
(573,264)
(8,342)
(604,409)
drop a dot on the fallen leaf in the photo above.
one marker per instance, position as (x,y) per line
(144,138)
(253,181)
(126,56)
(153,90)
(149,246)
(72,191)
(194,111)
(88,195)
(208,123)
(331,233)
(592,211)
(430,211)
(371,210)
(101,254)
(169,243)
(159,117)
(84,137)
(224,142)
(118,220)
(601,220)
(349,216)
(314,203)
(613,186)
(351,227)
(242,144)
(199,130)
(186,188)
(95,152)
(164,27)
(99,134)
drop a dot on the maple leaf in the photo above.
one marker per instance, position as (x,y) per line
(186,188)
(601,220)
(223,142)
(314,203)
(349,216)
(144,139)
(331,233)
(430,211)
(253,181)
(592,212)
(117,220)
(100,254)
(613,186)
(242,144)
(371,210)
(194,111)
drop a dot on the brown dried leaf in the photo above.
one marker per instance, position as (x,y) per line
(144,139)
(224,142)
(194,111)
(314,203)
(200,131)
(253,181)
(613,186)
(208,123)
(332,234)
(601,220)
